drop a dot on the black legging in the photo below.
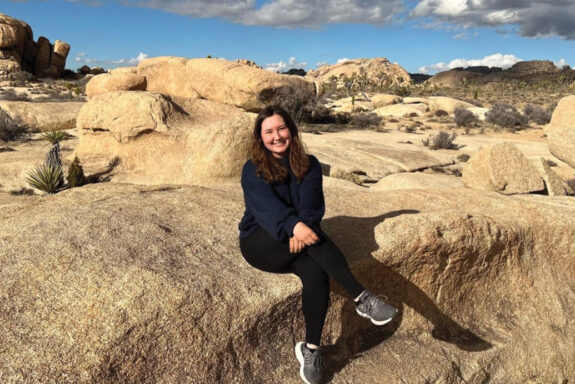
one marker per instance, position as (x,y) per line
(263,252)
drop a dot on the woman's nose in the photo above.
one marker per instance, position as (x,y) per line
(277,135)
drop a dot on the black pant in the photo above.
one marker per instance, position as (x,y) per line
(312,265)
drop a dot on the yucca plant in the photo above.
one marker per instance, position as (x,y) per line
(47,178)
(54,136)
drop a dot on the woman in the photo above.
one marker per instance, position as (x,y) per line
(280,231)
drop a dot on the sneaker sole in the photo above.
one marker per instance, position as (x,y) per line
(299,357)
(382,322)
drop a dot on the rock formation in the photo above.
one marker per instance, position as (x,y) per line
(502,168)
(19,51)
(126,283)
(161,139)
(379,70)
(561,131)
(529,71)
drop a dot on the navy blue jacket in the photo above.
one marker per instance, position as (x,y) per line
(278,208)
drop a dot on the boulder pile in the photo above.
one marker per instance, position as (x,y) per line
(19,51)
(178,120)
(379,71)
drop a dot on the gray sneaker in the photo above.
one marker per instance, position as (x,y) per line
(311,364)
(375,309)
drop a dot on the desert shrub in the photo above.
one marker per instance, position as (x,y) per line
(536,114)
(366,119)
(21,79)
(401,91)
(440,112)
(463,157)
(11,130)
(464,117)
(47,178)
(441,140)
(504,115)
(294,99)
(12,95)
(76,177)
(352,176)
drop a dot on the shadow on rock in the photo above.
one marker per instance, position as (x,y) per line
(358,334)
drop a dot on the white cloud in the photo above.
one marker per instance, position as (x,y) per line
(280,13)
(496,60)
(534,18)
(282,66)
(82,58)
(342,60)
(561,63)
(320,63)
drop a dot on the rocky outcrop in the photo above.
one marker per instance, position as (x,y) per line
(380,71)
(20,52)
(168,75)
(401,110)
(381,100)
(417,180)
(554,185)
(161,139)
(117,81)
(561,131)
(37,116)
(502,168)
(126,283)
(529,71)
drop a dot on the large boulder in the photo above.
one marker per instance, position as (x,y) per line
(238,84)
(554,185)
(40,58)
(127,283)
(381,100)
(379,71)
(446,104)
(117,81)
(38,116)
(164,140)
(168,75)
(561,131)
(502,168)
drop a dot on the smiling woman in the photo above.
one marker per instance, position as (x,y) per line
(281,231)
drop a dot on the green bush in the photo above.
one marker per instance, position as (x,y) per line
(505,115)
(46,178)
(10,130)
(464,117)
(76,177)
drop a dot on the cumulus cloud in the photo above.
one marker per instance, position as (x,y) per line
(560,63)
(342,60)
(282,66)
(534,19)
(279,13)
(82,58)
(496,60)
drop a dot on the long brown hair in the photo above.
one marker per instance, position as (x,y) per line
(268,166)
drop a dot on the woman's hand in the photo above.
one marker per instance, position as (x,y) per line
(295,245)
(304,234)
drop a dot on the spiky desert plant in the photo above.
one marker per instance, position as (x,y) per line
(76,177)
(46,177)
(54,135)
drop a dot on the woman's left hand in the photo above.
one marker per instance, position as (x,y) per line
(295,245)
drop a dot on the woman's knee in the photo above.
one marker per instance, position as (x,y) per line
(310,272)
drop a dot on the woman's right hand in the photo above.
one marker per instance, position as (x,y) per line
(305,234)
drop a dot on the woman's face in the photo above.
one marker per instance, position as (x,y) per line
(276,136)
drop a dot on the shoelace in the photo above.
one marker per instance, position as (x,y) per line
(314,359)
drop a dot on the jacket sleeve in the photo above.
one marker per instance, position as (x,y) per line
(311,205)
(270,212)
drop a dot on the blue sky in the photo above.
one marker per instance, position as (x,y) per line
(420,35)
